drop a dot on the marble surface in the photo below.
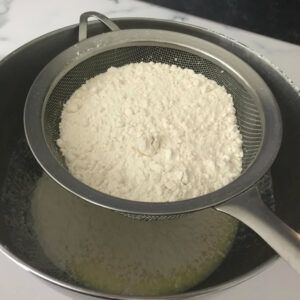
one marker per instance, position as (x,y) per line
(24,20)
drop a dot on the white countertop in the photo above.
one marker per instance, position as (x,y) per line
(23,20)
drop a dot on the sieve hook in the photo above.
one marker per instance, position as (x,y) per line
(83,23)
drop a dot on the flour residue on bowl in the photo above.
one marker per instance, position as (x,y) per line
(151,132)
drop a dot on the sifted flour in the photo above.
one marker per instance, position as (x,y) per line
(151,132)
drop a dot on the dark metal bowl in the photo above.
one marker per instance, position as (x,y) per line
(249,254)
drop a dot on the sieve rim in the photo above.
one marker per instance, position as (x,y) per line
(61,64)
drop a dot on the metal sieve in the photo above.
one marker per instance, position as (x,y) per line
(67,72)
(257,114)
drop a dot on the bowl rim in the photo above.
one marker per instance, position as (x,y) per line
(227,284)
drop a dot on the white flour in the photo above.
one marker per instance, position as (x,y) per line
(151,132)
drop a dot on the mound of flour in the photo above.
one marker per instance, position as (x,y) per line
(151,132)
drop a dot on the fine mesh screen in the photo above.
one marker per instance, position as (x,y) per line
(247,112)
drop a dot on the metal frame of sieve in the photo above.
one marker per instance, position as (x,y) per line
(262,107)
(257,113)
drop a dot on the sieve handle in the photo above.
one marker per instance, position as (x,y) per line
(83,23)
(251,210)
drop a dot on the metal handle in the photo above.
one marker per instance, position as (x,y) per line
(250,209)
(83,23)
